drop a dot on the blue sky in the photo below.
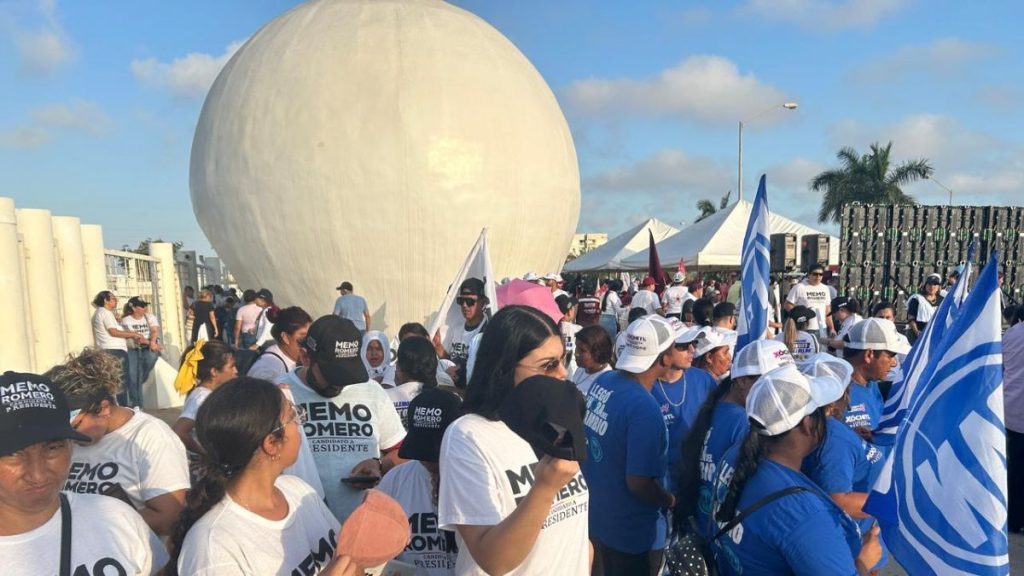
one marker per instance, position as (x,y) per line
(100,99)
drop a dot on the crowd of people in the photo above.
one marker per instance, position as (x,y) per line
(322,446)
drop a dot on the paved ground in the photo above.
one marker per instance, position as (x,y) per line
(169,415)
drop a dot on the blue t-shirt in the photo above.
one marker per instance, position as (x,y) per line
(846,463)
(803,533)
(729,425)
(866,404)
(625,436)
(680,402)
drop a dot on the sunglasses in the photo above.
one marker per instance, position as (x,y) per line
(816,274)
(466,301)
(546,368)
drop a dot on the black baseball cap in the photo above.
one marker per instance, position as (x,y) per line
(473,286)
(137,301)
(333,343)
(723,310)
(548,413)
(429,415)
(565,302)
(801,314)
(840,302)
(265,294)
(32,410)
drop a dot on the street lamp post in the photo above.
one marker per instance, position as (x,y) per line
(944,187)
(739,163)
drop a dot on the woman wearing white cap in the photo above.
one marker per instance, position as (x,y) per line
(713,355)
(774,519)
(844,465)
(720,424)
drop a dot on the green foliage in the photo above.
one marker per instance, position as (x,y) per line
(869,179)
(143,247)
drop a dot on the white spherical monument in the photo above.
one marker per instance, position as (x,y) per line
(370,141)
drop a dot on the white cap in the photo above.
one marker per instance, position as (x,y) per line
(760,357)
(780,399)
(685,334)
(678,277)
(645,339)
(713,338)
(530,277)
(825,364)
(551,276)
(876,334)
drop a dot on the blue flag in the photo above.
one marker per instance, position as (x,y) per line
(941,498)
(902,393)
(755,270)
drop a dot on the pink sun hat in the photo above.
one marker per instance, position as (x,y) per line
(523,293)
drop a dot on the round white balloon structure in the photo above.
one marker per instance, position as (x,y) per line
(371,141)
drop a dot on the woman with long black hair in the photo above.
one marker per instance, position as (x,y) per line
(786,523)
(244,517)
(507,507)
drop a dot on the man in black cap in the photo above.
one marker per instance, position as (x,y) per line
(42,529)
(472,301)
(352,428)
(352,306)
(414,484)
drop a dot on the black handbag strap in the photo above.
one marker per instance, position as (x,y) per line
(65,536)
(756,506)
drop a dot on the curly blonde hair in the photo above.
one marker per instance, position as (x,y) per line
(93,372)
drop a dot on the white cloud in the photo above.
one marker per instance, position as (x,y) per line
(941,139)
(1002,97)
(42,45)
(980,168)
(944,57)
(76,115)
(665,171)
(704,88)
(24,138)
(823,15)
(187,77)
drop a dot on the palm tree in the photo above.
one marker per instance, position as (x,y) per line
(868,179)
(707,207)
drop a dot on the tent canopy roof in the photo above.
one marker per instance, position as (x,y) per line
(717,240)
(610,255)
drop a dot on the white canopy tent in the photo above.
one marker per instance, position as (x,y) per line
(717,240)
(610,255)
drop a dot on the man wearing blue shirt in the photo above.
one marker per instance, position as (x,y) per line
(627,443)
(871,347)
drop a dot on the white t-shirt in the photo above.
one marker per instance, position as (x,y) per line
(343,431)
(486,469)
(804,346)
(817,298)
(401,396)
(583,380)
(271,364)
(103,320)
(612,305)
(263,327)
(139,325)
(458,340)
(144,456)
(193,401)
(673,297)
(230,540)
(433,551)
(847,324)
(647,300)
(107,536)
(568,331)
(925,309)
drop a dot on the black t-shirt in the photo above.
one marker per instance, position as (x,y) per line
(200,316)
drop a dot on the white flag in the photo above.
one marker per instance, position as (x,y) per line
(477,265)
